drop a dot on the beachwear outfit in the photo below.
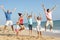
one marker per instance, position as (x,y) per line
(18,26)
(49,15)
(38,25)
(21,24)
(30,23)
(8,18)
(21,21)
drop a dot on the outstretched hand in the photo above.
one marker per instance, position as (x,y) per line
(53,8)
(42,5)
(15,8)
(1,6)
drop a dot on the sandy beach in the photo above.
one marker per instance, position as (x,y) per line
(24,35)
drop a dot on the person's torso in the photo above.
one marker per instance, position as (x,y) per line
(30,21)
(49,15)
(38,22)
(21,20)
(8,15)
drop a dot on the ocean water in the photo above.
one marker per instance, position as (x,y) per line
(56,25)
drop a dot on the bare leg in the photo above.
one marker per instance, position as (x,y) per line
(17,33)
(40,34)
(50,28)
(22,27)
(12,27)
(30,32)
(5,27)
(45,28)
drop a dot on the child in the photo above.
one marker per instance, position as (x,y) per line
(38,20)
(17,29)
(21,21)
(29,17)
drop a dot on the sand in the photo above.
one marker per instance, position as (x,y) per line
(24,35)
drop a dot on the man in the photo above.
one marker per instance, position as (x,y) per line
(48,14)
(8,17)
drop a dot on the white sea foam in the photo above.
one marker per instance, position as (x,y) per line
(47,30)
(43,29)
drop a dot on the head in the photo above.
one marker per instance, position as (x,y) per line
(17,22)
(48,10)
(38,18)
(8,11)
(20,14)
(29,16)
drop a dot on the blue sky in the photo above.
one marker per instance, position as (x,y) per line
(29,5)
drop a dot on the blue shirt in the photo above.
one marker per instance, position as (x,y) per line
(8,15)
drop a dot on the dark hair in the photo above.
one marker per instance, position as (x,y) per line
(47,10)
(19,14)
(38,18)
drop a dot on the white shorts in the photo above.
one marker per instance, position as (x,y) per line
(49,22)
(38,28)
(9,23)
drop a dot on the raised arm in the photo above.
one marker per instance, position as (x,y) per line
(2,7)
(27,15)
(31,12)
(40,17)
(43,7)
(23,14)
(35,17)
(14,10)
(53,8)
(18,20)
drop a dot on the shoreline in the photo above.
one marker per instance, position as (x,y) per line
(24,35)
(45,33)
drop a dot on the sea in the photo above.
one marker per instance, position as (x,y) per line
(56,25)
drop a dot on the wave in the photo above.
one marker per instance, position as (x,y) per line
(47,30)
(42,29)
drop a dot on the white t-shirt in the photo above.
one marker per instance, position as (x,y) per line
(17,27)
(38,25)
(38,22)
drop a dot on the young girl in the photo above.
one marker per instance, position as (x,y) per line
(29,17)
(17,29)
(22,27)
(38,20)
